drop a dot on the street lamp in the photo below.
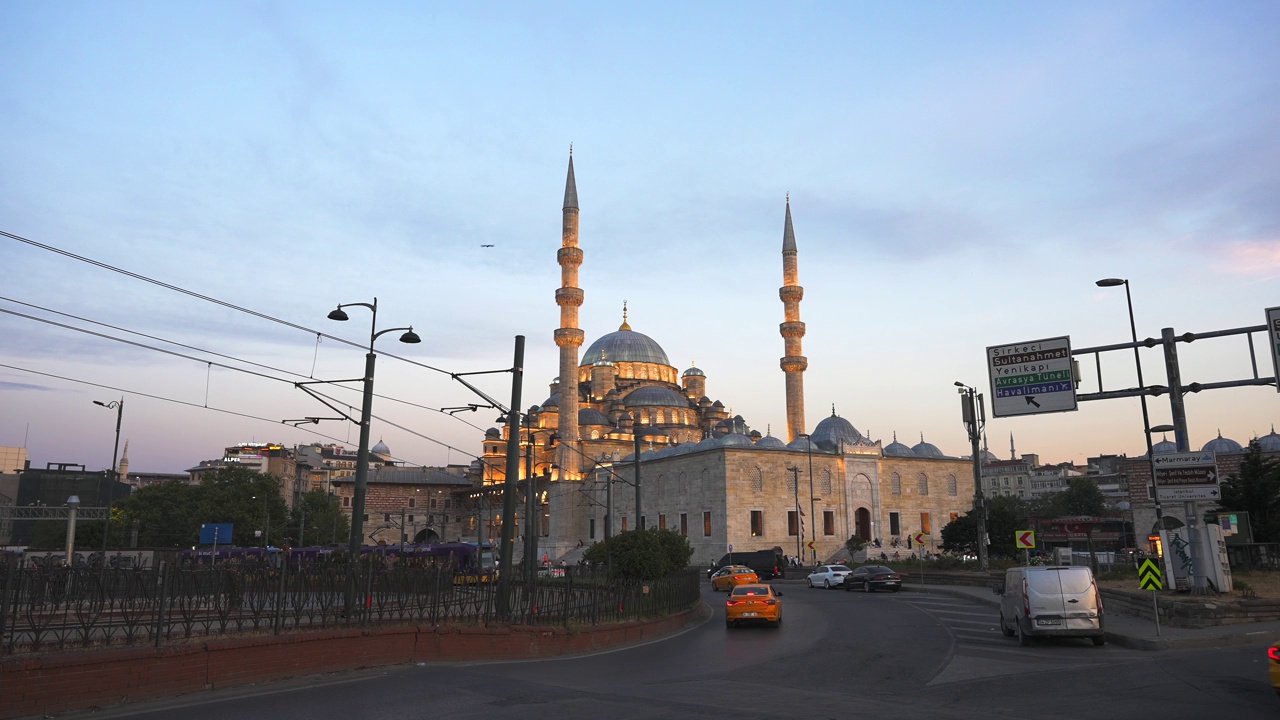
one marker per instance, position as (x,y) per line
(118,406)
(813,517)
(1146,419)
(73,502)
(366,409)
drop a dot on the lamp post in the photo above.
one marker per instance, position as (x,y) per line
(813,517)
(118,406)
(974,417)
(639,435)
(366,409)
(1146,418)
(73,502)
(795,487)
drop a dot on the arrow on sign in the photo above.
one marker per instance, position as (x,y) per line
(1031,400)
(810,544)
(1026,539)
(1149,576)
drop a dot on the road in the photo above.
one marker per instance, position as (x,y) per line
(837,655)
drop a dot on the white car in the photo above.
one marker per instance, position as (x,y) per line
(828,576)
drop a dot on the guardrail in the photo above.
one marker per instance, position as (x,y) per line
(46,608)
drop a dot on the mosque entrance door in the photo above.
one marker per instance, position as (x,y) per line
(862,524)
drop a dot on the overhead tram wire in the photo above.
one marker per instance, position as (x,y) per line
(197,349)
(206,298)
(224,411)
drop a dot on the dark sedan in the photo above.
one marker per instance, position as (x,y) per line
(873,577)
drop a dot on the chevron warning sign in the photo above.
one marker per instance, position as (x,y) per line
(1149,575)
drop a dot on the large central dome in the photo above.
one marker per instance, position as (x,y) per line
(625,346)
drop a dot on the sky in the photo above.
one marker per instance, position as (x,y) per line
(960,175)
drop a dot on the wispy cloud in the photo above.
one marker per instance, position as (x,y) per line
(1251,259)
(23,386)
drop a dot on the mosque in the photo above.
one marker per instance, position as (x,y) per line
(699,470)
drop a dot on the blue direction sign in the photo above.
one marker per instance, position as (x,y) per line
(1033,377)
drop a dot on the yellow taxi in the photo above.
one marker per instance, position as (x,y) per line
(1273,652)
(753,603)
(731,576)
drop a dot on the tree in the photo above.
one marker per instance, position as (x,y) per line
(1255,489)
(170,514)
(642,554)
(1005,516)
(325,521)
(1082,497)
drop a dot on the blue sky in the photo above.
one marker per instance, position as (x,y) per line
(960,175)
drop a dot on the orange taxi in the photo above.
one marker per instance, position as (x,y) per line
(751,603)
(1273,652)
(731,576)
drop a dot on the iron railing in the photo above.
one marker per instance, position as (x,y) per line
(56,608)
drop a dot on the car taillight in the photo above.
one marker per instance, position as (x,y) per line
(732,602)
(1274,653)
(771,601)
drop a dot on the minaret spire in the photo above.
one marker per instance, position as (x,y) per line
(1013,454)
(569,336)
(793,362)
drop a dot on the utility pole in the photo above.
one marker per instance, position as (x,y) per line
(510,487)
(795,486)
(530,491)
(635,432)
(974,416)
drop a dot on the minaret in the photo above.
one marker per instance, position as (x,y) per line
(793,363)
(123,469)
(569,336)
(1013,454)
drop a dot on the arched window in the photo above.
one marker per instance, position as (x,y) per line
(924,484)
(952,486)
(824,485)
(595,434)
(757,480)
(895,484)
(626,371)
(661,417)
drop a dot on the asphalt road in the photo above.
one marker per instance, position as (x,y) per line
(837,655)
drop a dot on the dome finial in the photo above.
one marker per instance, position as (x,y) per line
(833,409)
(570,149)
(624,325)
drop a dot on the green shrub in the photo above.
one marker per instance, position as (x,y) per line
(642,554)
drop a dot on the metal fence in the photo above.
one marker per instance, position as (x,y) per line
(55,608)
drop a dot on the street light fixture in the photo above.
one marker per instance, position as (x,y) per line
(1146,418)
(366,410)
(118,406)
(73,502)
(813,517)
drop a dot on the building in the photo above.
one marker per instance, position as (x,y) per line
(700,470)
(267,458)
(411,504)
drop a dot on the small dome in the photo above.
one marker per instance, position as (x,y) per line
(1164,447)
(835,431)
(735,440)
(802,445)
(717,404)
(693,372)
(769,442)
(924,449)
(897,449)
(381,448)
(652,395)
(1221,445)
(591,416)
(552,402)
(987,456)
(1269,443)
(492,433)
(704,402)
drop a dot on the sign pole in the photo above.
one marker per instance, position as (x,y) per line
(1155,611)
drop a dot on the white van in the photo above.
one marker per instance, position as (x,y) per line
(1050,602)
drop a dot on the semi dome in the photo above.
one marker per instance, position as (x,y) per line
(625,346)
(552,402)
(1269,443)
(592,416)
(652,395)
(897,449)
(1221,445)
(924,449)
(835,431)
(801,444)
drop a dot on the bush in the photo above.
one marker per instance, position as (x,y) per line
(642,554)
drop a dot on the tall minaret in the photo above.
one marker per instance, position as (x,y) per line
(569,336)
(793,363)
(123,469)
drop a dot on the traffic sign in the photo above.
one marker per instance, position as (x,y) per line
(1149,577)
(1189,492)
(810,545)
(730,547)
(1033,377)
(1026,539)
(921,539)
(1273,339)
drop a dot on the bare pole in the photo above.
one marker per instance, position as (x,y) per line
(510,487)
